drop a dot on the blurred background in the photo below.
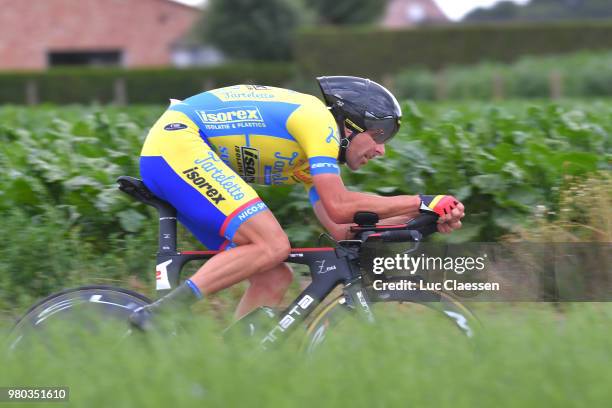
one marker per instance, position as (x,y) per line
(506,105)
(139,51)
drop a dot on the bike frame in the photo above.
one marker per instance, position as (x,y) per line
(329,267)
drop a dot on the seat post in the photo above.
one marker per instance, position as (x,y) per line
(167,228)
(169,261)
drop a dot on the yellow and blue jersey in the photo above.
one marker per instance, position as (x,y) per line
(204,151)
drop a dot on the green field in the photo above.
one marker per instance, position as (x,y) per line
(525,356)
(69,225)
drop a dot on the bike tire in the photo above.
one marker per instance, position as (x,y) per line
(85,307)
(338,310)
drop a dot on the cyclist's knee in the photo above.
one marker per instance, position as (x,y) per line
(275,248)
(265,233)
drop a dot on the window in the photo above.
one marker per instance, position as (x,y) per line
(189,56)
(92,58)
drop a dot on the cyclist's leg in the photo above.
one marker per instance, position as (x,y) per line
(248,260)
(265,289)
(261,246)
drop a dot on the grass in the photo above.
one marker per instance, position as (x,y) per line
(526,355)
(585,213)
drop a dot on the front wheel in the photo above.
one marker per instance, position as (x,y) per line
(70,313)
(337,311)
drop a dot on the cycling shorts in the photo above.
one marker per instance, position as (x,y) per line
(211,199)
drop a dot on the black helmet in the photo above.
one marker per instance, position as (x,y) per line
(362,104)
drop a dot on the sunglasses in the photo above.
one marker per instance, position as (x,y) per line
(387,127)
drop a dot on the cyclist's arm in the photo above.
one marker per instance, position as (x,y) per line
(315,129)
(341,204)
(342,231)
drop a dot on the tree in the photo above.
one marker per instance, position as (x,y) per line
(541,10)
(348,11)
(505,10)
(253,29)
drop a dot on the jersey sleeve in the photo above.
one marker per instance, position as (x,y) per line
(316,131)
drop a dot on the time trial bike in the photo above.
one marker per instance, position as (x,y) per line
(337,266)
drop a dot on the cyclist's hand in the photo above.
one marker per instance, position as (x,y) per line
(448,208)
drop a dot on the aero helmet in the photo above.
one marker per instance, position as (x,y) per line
(362,104)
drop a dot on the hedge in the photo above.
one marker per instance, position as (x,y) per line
(583,75)
(155,86)
(378,52)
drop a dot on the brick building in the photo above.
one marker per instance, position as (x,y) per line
(409,13)
(37,34)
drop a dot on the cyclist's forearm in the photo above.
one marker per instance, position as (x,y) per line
(398,219)
(343,231)
(343,210)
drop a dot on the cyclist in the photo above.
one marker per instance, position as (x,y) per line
(203,152)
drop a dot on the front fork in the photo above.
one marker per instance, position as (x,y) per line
(357,300)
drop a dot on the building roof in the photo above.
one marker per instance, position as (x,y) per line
(410,13)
